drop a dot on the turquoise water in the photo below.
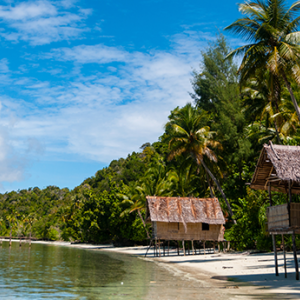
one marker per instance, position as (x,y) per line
(57,272)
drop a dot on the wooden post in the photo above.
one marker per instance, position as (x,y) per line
(284,258)
(218,247)
(20,243)
(159,247)
(147,249)
(183,248)
(214,245)
(168,247)
(30,239)
(204,247)
(193,250)
(275,254)
(295,256)
(228,246)
(155,247)
(164,247)
(273,236)
(188,243)
(178,248)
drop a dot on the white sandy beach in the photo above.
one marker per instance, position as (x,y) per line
(248,276)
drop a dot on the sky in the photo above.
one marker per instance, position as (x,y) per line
(86,82)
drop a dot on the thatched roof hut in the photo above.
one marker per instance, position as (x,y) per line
(278,165)
(176,218)
(278,169)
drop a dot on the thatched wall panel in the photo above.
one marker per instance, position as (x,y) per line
(176,231)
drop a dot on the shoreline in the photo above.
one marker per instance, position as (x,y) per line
(242,274)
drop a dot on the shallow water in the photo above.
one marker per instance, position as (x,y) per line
(57,272)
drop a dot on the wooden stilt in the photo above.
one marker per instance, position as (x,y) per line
(155,247)
(168,248)
(273,236)
(284,258)
(183,247)
(275,254)
(295,256)
(159,247)
(30,239)
(164,247)
(20,243)
(148,248)
(188,243)
(193,250)
(218,247)
(204,247)
(214,245)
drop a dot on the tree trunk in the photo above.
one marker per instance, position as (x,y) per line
(291,93)
(277,134)
(141,217)
(210,187)
(219,187)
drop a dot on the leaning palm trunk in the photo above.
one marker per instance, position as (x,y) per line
(219,187)
(141,217)
(291,93)
(210,187)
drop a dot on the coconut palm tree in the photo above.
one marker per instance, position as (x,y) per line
(271,30)
(186,135)
(155,182)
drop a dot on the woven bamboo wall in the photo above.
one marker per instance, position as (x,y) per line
(278,217)
(176,231)
(295,214)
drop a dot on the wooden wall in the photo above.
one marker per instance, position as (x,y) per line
(176,231)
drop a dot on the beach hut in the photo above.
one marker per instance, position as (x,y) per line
(278,169)
(185,219)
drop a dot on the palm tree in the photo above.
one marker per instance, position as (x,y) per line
(155,182)
(271,30)
(262,96)
(186,135)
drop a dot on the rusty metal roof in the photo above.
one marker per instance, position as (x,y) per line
(185,210)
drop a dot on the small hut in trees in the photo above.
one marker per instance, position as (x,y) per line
(278,169)
(185,219)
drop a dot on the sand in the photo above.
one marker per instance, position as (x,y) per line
(247,275)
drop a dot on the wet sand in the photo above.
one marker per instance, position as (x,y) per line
(233,275)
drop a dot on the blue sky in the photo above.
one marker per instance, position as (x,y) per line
(86,82)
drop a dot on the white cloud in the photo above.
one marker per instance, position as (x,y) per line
(42,22)
(105,115)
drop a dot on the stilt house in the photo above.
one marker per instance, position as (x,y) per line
(189,219)
(278,169)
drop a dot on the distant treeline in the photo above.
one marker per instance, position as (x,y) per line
(209,147)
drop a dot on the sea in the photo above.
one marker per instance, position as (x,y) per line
(45,271)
